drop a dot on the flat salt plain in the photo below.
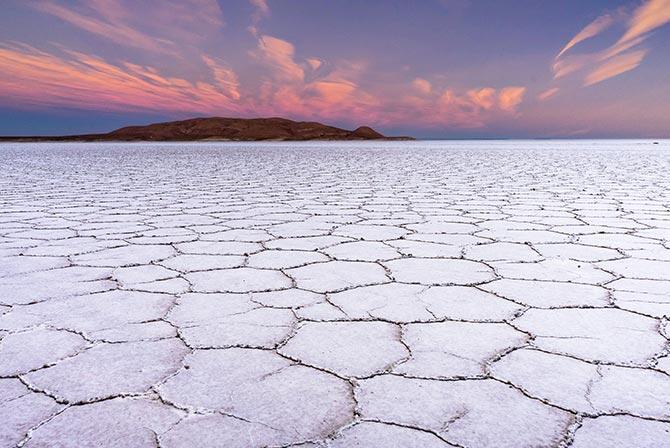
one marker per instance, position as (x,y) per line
(402,294)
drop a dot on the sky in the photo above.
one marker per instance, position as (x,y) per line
(430,68)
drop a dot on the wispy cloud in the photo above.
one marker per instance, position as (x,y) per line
(565,66)
(225,77)
(113,30)
(282,83)
(172,21)
(29,76)
(591,30)
(261,11)
(615,66)
(646,18)
(331,90)
(622,56)
(278,57)
(545,95)
(74,79)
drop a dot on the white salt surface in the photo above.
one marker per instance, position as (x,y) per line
(396,294)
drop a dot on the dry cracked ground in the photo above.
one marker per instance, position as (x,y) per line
(335,295)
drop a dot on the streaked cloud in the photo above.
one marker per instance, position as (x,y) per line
(646,18)
(622,56)
(32,77)
(565,66)
(619,47)
(282,82)
(29,76)
(591,30)
(225,77)
(112,30)
(172,21)
(545,95)
(615,66)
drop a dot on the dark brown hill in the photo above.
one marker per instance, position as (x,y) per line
(236,129)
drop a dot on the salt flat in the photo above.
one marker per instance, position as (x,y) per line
(426,294)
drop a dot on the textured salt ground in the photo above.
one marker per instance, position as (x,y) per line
(506,294)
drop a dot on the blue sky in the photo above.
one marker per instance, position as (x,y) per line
(447,69)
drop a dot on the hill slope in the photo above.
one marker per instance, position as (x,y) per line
(237,129)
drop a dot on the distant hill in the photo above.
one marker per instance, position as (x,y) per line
(217,128)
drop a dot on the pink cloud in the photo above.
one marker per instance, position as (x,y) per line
(31,76)
(226,79)
(338,94)
(336,91)
(114,30)
(615,66)
(186,21)
(278,57)
(284,83)
(549,93)
(509,98)
(614,60)
(262,8)
(484,98)
(646,18)
(314,63)
(422,85)
(591,30)
(332,91)
(261,11)
(447,108)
